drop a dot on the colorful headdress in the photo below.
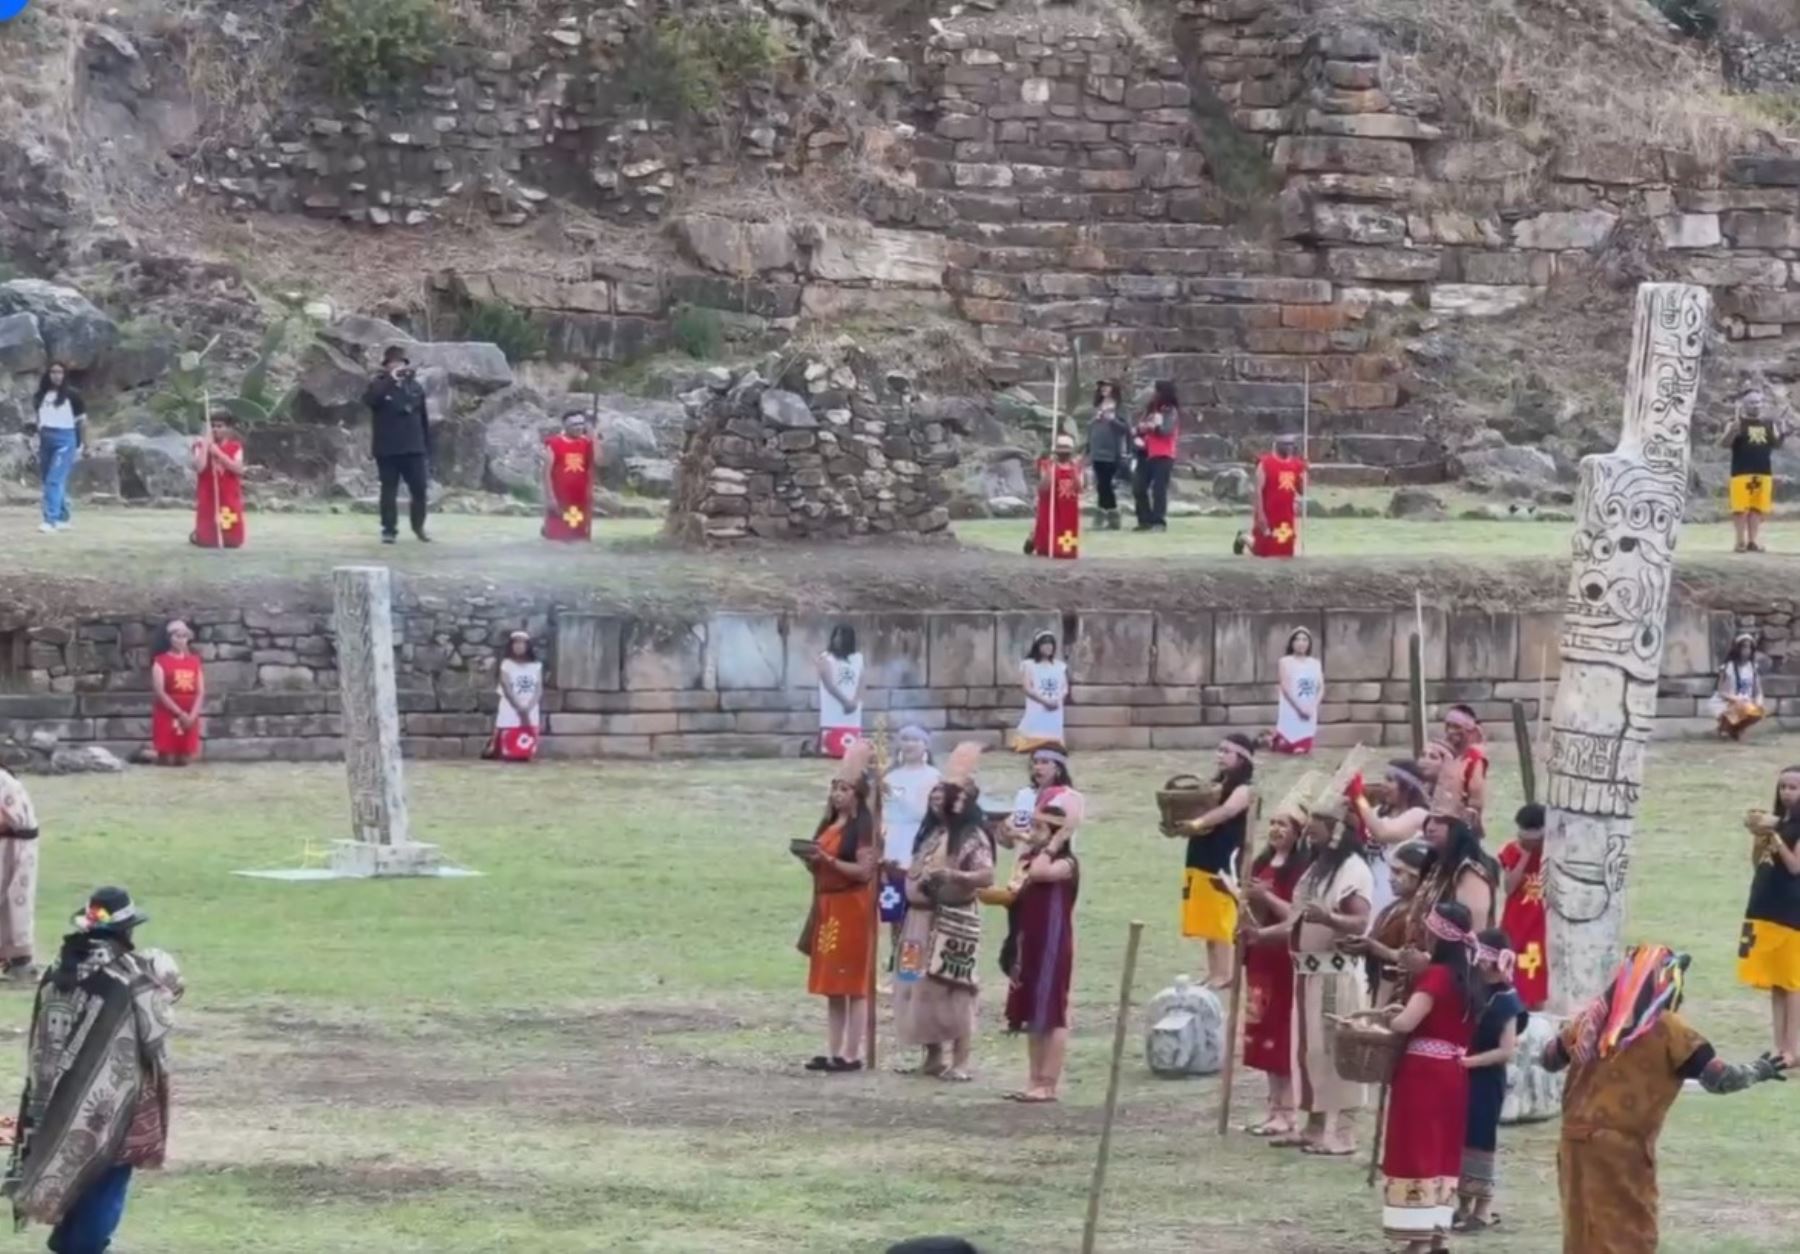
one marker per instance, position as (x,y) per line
(1649,982)
(857,758)
(109,909)
(1447,930)
(1502,959)
(1296,807)
(1463,717)
(964,759)
(1333,801)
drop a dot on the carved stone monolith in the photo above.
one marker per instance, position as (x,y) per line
(364,627)
(1628,512)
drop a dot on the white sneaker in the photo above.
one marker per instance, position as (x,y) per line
(47,528)
(65,526)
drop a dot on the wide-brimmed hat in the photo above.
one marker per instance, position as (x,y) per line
(109,909)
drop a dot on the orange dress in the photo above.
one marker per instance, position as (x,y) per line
(843,934)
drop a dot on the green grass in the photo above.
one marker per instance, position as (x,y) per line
(594,1046)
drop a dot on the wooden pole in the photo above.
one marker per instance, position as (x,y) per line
(1527,763)
(1240,953)
(878,798)
(1415,691)
(1380,1130)
(1112,1089)
(1305,454)
(212,466)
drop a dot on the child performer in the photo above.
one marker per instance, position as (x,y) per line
(1502,1018)
(1769,949)
(1209,908)
(571,459)
(1523,919)
(218,457)
(1268,970)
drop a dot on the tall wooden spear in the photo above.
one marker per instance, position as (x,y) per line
(878,794)
(1091,1231)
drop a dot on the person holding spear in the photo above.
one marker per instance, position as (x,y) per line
(218,457)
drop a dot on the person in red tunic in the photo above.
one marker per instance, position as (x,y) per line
(1428,1099)
(219,495)
(1280,483)
(574,456)
(1268,968)
(1058,530)
(1523,919)
(178,687)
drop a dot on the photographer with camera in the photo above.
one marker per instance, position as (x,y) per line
(402,441)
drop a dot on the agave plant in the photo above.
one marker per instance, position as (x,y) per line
(189,390)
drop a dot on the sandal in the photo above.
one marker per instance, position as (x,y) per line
(955,1075)
(1292,1140)
(1031,1099)
(1319,1150)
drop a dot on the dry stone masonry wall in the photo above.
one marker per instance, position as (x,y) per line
(744,683)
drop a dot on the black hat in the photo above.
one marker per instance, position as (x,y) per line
(393,354)
(109,909)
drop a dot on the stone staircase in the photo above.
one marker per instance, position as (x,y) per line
(1068,168)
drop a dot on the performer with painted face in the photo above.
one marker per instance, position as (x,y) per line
(1044,677)
(1769,947)
(573,459)
(839,936)
(1628,1054)
(936,985)
(1215,843)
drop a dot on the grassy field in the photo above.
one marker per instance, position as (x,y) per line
(595,1046)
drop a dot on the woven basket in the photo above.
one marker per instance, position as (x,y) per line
(1364,1052)
(1185,797)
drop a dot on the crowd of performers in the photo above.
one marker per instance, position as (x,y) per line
(1368,899)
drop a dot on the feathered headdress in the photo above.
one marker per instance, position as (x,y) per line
(1333,801)
(964,759)
(857,759)
(1297,806)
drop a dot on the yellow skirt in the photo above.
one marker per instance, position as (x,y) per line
(1752,494)
(1769,956)
(1208,910)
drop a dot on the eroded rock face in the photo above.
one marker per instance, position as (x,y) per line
(21,346)
(154,467)
(73,329)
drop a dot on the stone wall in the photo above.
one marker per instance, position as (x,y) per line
(816,455)
(743,684)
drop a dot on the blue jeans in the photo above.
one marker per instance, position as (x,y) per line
(56,458)
(89,1225)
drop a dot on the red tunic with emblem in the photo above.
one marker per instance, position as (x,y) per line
(219,499)
(181,684)
(1283,482)
(569,514)
(1058,530)
(1524,921)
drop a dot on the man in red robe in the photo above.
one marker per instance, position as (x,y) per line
(1058,530)
(1280,482)
(569,480)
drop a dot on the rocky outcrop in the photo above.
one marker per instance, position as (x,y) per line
(72,330)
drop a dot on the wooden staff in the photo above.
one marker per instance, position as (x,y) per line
(1305,453)
(877,793)
(212,465)
(1240,955)
(1112,1089)
(1527,763)
(1415,679)
(1375,1141)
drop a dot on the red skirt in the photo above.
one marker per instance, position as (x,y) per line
(1428,1113)
(516,744)
(169,739)
(1296,748)
(1269,1009)
(835,742)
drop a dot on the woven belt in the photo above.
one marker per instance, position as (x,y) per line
(1323,964)
(1432,1047)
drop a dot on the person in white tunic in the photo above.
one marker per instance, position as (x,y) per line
(1302,685)
(518,719)
(840,669)
(1045,680)
(904,805)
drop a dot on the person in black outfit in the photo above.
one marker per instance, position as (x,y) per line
(402,441)
(1752,436)
(1108,450)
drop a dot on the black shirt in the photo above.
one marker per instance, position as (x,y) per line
(1751,450)
(1775,891)
(400,423)
(1216,851)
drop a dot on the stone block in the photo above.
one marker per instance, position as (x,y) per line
(961,648)
(1247,647)
(1185,737)
(1480,300)
(1436,646)
(1566,229)
(1357,644)
(1533,1094)
(587,652)
(1098,716)
(1689,230)
(749,650)
(1012,638)
(1410,265)
(1113,648)
(1761,229)
(1757,305)
(664,654)
(1163,715)
(1357,224)
(582,748)
(1344,154)
(1689,647)
(1184,644)
(1348,735)
(1540,643)
(34,706)
(895,650)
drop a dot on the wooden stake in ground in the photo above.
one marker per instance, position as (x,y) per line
(1415,691)
(1527,764)
(1112,1089)
(1240,952)
(1628,513)
(1305,454)
(877,798)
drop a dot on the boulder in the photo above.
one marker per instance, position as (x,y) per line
(737,248)
(1566,228)
(1008,507)
(364,340)
(1004,475)
(1508,466)
(650,476)
(479,367)
(85,760)
(21,347)
(1416,503)
(786,411)
(1185,1031)
(154,467)
(1532,1094)
(510,426)
(664,420)
(96,473)
(1232,484)
(73,330)
(140,361)
(305,454)
(18,459)
(331,385)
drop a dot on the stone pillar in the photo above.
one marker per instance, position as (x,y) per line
(364,627)
(1628,512)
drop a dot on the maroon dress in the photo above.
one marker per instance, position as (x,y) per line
(1269,979)
(1428,1110)
(1037,997)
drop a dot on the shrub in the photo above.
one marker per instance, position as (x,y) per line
(685,66)
(697,331)
(499,323)
(370,45)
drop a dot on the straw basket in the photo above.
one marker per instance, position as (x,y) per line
(1185,797)
(1364,1051)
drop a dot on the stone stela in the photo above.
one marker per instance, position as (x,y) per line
(381,843)
(1614,632)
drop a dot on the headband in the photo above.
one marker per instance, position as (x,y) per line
(1050,755)
(1406,777)
(520,635)
(912,731)
(1233,747)
(1043,636)
(1456,718)
(1443,929)
(1503,960)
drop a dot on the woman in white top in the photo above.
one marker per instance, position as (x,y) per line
(518,719)
(1302,682)
(905,801)
(1398,819)
(60,418)
(840,670)
(1738,701)
(1045,680)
